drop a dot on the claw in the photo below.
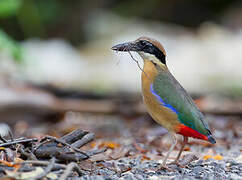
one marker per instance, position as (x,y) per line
(164,167)
(173,162)
(176,163)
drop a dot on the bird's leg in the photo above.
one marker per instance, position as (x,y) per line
(185,140)
(163,165)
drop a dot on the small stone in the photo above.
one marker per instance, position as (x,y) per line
(235,176)
(130,176)
(239,159)
(197,169)
(106,172)
(228,164)
(95,177)
(199,162)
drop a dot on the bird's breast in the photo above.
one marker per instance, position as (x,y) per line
(158,111)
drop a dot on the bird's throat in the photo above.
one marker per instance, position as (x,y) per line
(150,71)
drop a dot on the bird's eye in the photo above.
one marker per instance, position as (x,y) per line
(142,43)
(154,63)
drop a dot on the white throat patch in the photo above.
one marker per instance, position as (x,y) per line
(149,56)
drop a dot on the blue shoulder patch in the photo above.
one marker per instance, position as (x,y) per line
(162,101)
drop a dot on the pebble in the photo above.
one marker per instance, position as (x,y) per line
(145,170)
(197,169)
(92,178)
(239,158)
(130,176)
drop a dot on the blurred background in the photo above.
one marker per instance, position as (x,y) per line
(55,57)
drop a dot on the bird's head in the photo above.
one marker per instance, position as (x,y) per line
(149,49)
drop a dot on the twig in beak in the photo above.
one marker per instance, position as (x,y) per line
(137,62)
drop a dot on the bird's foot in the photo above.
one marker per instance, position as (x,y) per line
(164,167)
(176,163)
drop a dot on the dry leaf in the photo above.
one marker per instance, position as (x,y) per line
(6,163)
(93,144)
(18,160)
(218,157)
(86,165)
(207,157)
(118,153)
(31,174)
(99,157)
(186,148)
(140,149)
(109,144)
(145,158)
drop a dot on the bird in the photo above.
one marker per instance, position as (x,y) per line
(165,99)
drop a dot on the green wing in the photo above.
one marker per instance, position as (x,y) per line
(175,97)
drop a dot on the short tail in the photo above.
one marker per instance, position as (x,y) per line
(211,139)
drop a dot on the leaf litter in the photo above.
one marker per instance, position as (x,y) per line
(115,144)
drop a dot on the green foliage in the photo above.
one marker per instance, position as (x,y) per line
(50,10)
(9,45)
(9,7)
(30,21)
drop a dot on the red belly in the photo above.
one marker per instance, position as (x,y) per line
(189,132)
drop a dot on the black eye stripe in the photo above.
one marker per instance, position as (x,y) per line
(154,63)
(148,47)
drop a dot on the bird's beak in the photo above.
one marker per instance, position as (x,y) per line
(129,46)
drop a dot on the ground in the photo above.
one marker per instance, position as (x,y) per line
(135,145)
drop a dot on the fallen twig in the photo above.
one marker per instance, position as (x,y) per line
(47,169)
(56,149)
(96,151)
(3,140)
(74,136)
(68,170)
(63,143)
(29,155)
(16,141)
(84,140)
(56,166)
